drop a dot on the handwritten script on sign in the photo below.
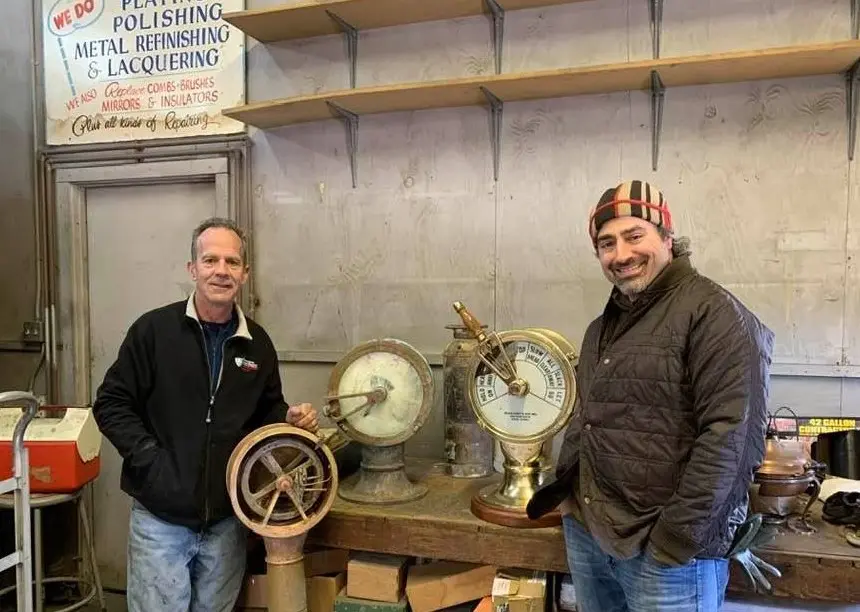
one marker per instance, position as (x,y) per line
(118,70)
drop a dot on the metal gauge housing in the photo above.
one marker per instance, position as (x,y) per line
(541,401)
(381,392)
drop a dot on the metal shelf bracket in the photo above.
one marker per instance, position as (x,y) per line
(350,122)
(852,99)
(497,15)
(351,36)
(496,108)
(855,18)
(655,14)
(658,91)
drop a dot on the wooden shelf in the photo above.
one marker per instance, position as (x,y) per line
(311,19)
(773,63)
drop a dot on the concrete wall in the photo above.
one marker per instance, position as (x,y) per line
(17,234)
(757,175)
(744,167)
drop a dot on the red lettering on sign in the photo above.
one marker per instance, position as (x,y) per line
(82,8)
(63,19)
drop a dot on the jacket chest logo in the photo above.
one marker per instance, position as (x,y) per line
(246,365)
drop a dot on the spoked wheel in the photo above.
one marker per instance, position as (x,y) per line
(281,480)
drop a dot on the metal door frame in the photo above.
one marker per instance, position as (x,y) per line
(68,337)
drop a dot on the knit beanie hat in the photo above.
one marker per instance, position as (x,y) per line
(630,199)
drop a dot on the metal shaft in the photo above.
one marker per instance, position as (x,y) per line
(21,473)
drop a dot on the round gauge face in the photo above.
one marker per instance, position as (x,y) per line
(537,411)
(402,406)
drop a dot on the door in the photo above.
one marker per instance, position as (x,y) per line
(138,240)
(132,238)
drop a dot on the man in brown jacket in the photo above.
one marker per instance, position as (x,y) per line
(669,423)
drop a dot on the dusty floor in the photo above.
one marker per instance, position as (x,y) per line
(116,603)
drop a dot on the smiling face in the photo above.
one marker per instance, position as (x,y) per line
(632,253)
(218,271)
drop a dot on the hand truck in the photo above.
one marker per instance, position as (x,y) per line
(19,483)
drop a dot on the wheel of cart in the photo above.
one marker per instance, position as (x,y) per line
(19,486)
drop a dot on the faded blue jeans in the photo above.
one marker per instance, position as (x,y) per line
(605,584)
(172,568)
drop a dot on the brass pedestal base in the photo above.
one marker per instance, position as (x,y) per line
(382,478)
(285,574)
(526,468)
(488,505)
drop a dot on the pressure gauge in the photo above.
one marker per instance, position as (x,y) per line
(380,394)
(522,388)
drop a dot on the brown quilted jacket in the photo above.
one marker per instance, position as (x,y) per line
(670,419)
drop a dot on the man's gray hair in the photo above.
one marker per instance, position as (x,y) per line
(680,245)
(222,223)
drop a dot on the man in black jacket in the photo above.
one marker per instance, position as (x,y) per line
(191,379)
(668,426)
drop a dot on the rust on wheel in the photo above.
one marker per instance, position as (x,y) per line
(281,480)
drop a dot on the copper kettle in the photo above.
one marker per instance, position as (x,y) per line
(787,469)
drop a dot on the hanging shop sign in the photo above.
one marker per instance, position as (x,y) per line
(810,427)
(119,70)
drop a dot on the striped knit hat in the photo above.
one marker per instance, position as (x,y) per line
(630,199)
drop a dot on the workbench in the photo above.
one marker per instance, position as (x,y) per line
(822,566)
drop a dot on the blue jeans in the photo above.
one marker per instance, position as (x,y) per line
(605,584)
(171,567)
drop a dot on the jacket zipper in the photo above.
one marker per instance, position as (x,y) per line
(209,417)
(206,509)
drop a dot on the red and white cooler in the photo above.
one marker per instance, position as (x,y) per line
(64,445)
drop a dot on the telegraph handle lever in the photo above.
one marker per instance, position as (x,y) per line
(373,397)
(487,345)
(469,320)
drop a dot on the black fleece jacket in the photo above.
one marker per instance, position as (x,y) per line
(175,436)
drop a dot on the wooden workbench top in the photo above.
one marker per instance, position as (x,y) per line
(441,526)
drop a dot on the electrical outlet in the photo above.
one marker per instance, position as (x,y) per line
(33,332)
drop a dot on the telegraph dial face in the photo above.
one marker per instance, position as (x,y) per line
(381,392)
(539,410)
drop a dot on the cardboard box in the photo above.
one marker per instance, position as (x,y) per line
(325,561)
(253,594)
(519,591)
(321,592)
(344,603)
(438,585)
(376,577)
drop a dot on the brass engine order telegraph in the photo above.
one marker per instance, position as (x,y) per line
(522,388)
(282,482)
(380,394)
